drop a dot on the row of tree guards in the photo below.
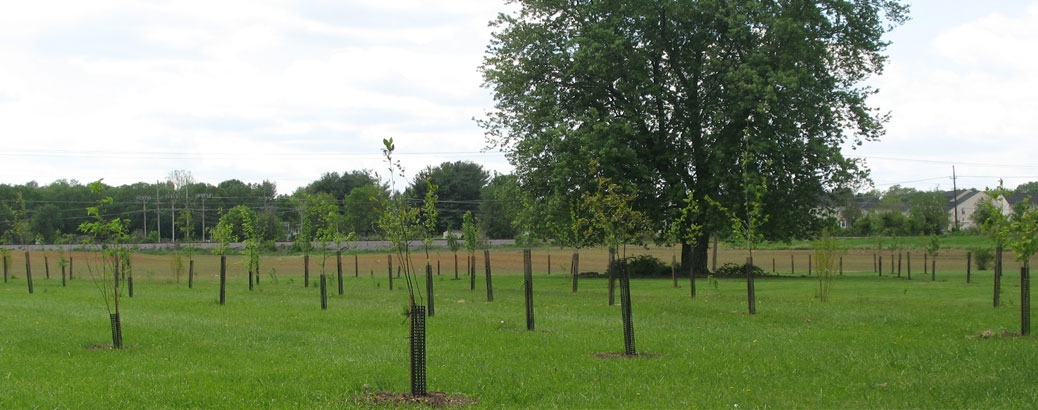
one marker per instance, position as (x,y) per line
(896,264)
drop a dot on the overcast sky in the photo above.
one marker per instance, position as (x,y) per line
(284,91)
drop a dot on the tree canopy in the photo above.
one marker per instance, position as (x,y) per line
(460,185)
(678,99)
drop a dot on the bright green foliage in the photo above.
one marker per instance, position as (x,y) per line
(311,218)
(470,232)
(104,231)
(320,222)
(683,230)
(991,218)
(401,223)
(934,247)
(746,226)
(186,224)
(452,241)
(1023,235)
(610,220)
(827,259)
(429,216)
(110,234)
(237,225)
(20,230)
(666,95)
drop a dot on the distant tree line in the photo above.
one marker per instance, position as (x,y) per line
(180,209)
(904,211)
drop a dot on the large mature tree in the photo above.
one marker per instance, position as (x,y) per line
(360,209)
(339,185)
(460,184)
(928,213)
(679,98)
(499,205)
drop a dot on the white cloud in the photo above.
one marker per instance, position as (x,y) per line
(250,90)
(965,97)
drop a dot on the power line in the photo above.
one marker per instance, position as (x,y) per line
(59,153)
(947,162)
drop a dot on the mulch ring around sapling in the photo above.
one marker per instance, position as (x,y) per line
(612,355)
(988,334)
(432,399)
(108,347)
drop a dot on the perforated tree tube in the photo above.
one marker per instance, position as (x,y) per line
(625,308)
(429,289)
(324,292)
(418,387)
(751,297)
(223,279)
(117,331)
(338,263)
(574,268)
(389,266)
(490,281)
(306,271)
(190,274)
(1025,300)
(472,272)
(528,282)
(28,271)
(611,270)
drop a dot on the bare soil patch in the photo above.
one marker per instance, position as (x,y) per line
(432,399)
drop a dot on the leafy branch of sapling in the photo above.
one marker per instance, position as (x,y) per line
(609,218)
(683,229)
(223,234)
(398,221)
(934,246)
(454,245)
(429,216)
(400,224)
(1023,235)
(827,254)
(747,229)
(470,232)
(110,234)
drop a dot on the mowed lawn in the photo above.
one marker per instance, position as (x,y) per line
(880,342)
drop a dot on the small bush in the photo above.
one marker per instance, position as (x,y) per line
(731,269)
(982,257)
(647,266)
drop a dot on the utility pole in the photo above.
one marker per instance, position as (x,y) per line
(158,221)
(144,202)
(203,196)
(955,199)
(172,215)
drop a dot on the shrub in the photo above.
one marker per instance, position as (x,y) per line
(982,257)
(648,266)
(732,270)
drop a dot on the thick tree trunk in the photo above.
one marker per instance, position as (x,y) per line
(697,258)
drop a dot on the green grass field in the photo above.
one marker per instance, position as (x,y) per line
(880,342)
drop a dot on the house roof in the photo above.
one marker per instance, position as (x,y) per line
(959,197)
(1018,197)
